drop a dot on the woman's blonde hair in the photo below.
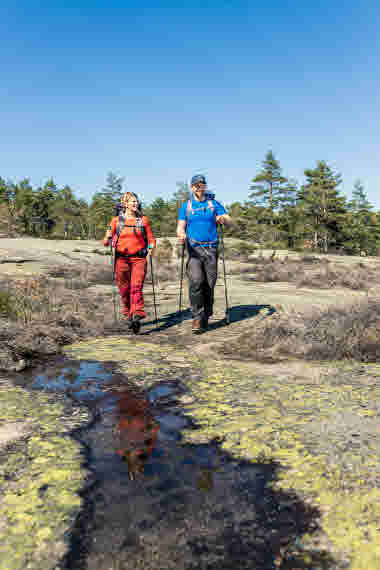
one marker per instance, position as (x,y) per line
(127,196)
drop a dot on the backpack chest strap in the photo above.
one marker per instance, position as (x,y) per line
(190,210)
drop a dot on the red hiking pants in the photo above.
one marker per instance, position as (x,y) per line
(130,275)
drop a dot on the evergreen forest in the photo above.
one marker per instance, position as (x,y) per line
(278,212)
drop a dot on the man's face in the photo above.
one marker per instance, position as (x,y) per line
(199,190)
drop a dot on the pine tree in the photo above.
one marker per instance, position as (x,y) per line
(181,195)
(361,230)
(7,197)
(359,199)
(290,215)
(268,187)
(24,198)
(322,204)
(159,216)
(103,204)
(66,212)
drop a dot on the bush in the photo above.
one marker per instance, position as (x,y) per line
(321,275)
(352,332)
(63,271)
(6,310)
(163,251)
(100,274)
(238,250)
(245,247)
(163,273)
(359,278)
(275,245)
(39,315)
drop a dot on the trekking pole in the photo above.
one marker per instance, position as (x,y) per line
(113,260)
(181,278)
(225,280)
(154,294)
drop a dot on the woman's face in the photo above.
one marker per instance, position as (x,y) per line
(132,204)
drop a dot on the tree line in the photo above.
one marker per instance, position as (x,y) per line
(278,212)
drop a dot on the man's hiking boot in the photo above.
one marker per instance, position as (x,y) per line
(136,324)
(196,327)
(204,323)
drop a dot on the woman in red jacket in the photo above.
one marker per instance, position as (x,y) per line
(136,430)
(133,241)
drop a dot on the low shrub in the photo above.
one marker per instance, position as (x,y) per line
(311,272)
(64,271)
(163,251)
(163,272)
(45,315)
(352,332)
(99,274)
(356,278)
(6,308)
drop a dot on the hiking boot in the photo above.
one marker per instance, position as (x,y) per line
(126,320)
(204,323)
(136,324)
(196,327)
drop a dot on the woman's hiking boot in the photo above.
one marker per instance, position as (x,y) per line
(127,320)
(136,324)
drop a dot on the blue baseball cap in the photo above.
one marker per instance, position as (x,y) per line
(198,179)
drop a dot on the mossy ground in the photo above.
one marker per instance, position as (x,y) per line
(319,423)
(40,477)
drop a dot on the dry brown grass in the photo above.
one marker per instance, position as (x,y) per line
(311,272)
(41,314)
(38,315)
(352,332)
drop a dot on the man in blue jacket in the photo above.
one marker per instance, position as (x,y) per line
(197,226)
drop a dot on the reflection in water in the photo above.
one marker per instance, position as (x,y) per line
(83,381)
(136,430)
(195,507)
(205,480)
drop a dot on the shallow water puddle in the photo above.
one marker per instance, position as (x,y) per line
(158,503)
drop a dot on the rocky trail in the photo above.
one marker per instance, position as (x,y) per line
(261,465)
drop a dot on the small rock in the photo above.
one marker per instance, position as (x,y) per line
(21,365)
(186,399)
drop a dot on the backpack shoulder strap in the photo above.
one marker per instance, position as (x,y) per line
(120,225)
(188,210)
(140,226)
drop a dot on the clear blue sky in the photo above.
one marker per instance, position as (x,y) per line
(157,90)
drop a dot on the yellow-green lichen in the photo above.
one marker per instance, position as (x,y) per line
(293,420)
(40,477)
(261,418)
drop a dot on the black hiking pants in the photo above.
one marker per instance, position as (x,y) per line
(202,272)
